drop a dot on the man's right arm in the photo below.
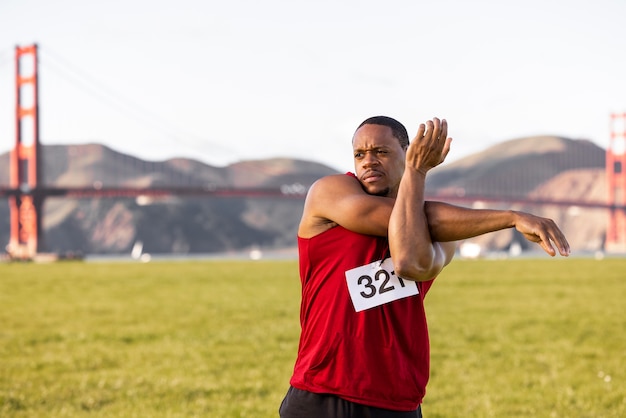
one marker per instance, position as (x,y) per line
(340,200)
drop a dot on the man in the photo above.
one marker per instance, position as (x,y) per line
(370,248)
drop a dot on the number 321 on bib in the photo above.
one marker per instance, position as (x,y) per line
(376,283)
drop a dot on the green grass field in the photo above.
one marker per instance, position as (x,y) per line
(510,338)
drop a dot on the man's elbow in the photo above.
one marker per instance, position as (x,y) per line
(427,266)
(418,271)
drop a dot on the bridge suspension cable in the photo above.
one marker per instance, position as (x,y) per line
(167,132)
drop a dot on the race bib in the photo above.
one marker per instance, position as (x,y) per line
(376,284)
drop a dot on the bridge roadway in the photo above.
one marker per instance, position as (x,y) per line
(278,192)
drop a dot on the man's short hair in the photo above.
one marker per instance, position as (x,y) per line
(398,129)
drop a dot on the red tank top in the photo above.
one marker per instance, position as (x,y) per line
(379,356)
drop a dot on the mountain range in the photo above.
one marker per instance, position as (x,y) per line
(542,167)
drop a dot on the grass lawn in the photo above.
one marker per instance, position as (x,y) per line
(534,337)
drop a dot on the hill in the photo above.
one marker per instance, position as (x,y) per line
(546,166)
(516,167)
(172,225)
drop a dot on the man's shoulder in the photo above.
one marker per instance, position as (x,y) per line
(333,181)
(322,203)
(349,176)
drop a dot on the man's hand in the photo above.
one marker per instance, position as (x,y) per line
(543,231)
(430,146)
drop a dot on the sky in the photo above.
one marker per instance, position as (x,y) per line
(224,81)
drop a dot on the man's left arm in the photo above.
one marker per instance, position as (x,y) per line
(415,255)
(453,223)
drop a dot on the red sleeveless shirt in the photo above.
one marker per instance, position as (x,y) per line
(377,357)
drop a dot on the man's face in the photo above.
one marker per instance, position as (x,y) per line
(378,159)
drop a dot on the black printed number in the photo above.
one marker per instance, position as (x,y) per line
(381,276)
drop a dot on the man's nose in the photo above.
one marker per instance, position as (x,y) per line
(369,159)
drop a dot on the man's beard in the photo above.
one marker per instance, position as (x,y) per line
(383,192)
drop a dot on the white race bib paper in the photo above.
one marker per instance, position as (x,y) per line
(376,284)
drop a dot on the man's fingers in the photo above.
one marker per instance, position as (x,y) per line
(430,127)
(436,132)
(553,235)
(547,247)
(444,129)
(547,239)
(420,131)
(545,243)
(562,244)
(446,149)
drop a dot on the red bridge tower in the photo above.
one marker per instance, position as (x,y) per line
(25,205)
(616,184)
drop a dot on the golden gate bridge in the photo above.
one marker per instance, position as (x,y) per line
(27,189)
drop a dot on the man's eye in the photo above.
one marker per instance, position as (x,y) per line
(358,154)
